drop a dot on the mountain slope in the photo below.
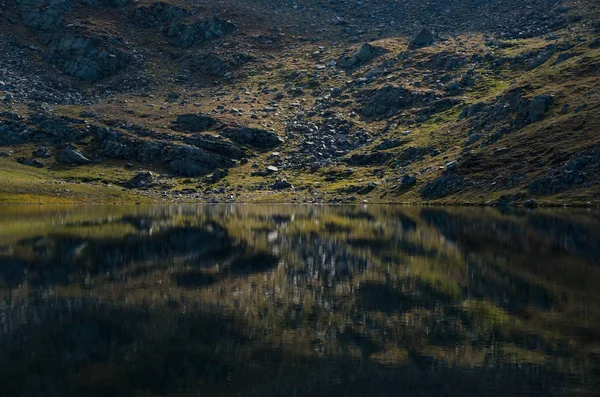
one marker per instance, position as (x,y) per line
(377,101)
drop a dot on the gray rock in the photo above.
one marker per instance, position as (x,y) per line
(408,180)
(424,38)
(195,123)
(208,63)
(216,144)
(281,184)
(72,157)
(538,107)
(42,152)
(365,54)
(157,14)
(185,36)
(30,162)
(443,186)
(142,179)
(374,158)
(254,137)
(189,161)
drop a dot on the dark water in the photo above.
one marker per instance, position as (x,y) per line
(298,300)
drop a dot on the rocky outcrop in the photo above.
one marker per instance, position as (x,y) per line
(195,123)
(216,144)
(158,14)
(142,179)
(253,137)
(88,56)
(386,101)
(70,156)
(583,169)
(374,158)
(182,159)
(448,183)
(30,162)
(209,63)
(184,36)
(79,51)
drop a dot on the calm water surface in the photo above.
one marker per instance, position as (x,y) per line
(244,300)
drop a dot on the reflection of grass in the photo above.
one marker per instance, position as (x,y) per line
(486,317)
(428,274)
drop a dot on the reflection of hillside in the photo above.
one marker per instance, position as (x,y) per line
(291,300)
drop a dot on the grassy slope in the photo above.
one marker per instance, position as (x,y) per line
(552,140)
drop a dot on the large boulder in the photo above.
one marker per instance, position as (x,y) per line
(195,162)
(78,50)
(424,38)
(538,107)
(71,156)
(44,15)
(365,54)
(142,179)
(216,144)
(88,56)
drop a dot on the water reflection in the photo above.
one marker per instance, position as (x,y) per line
(298,300)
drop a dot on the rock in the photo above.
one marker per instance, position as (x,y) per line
(208,63)
(365,54)
(281,184)
(538,107)
(219,173)
(75,48)
(195,123)
(254,137)
(157,14)
(189,161)
(386,101)
(531,203)
(595,44)
(30,162)
(142,179)
(443,186)
(42,152)
(374,158)
(452,165)
(272,169)
(390,144)
(424,38)
(216,144)
(185,36)
(408,180)
(72,157)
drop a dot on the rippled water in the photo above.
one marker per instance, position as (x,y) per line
(298,300)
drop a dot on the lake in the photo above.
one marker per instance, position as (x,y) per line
(285,300)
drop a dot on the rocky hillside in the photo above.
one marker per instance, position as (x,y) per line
(461,101)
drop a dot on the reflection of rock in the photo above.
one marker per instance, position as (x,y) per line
(255,263)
